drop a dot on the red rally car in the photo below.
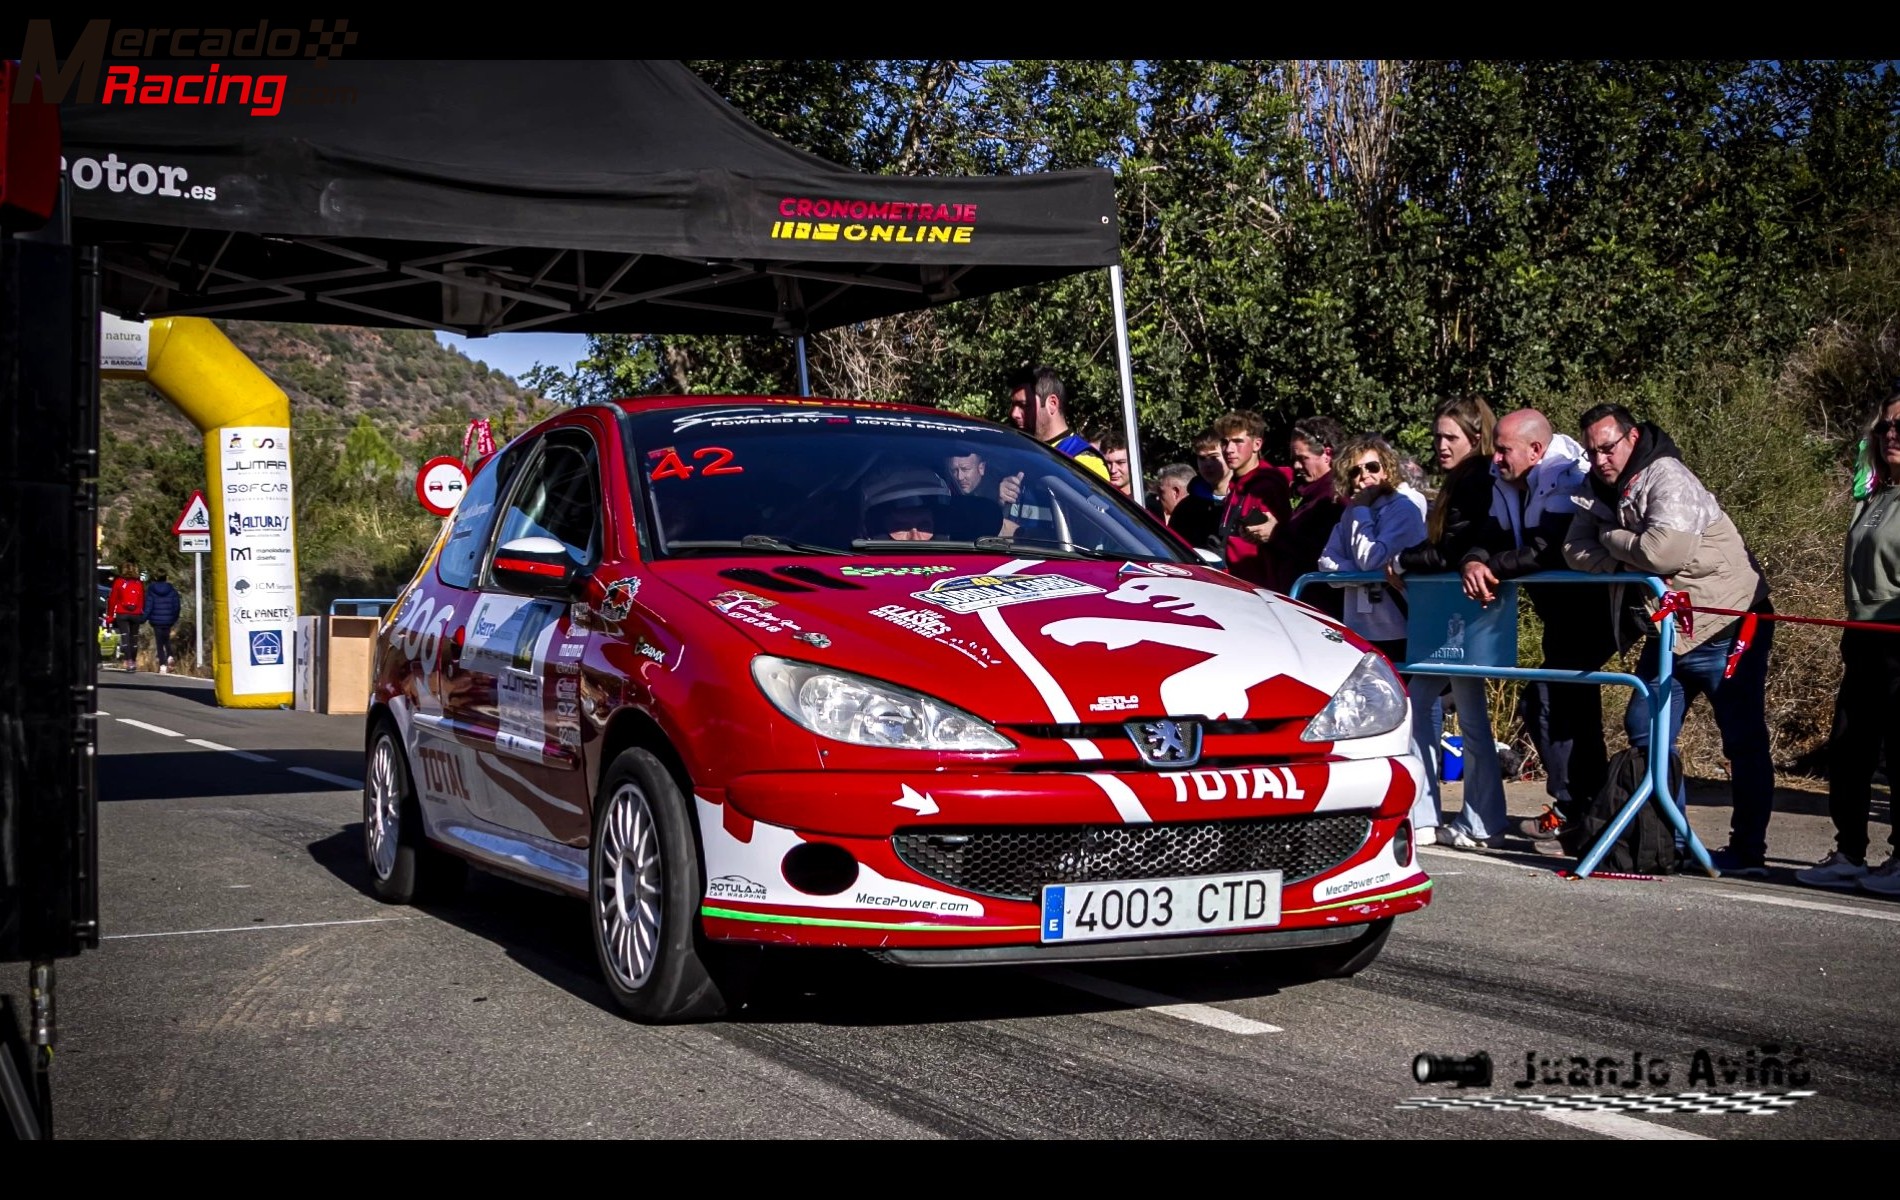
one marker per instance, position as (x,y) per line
(774,671)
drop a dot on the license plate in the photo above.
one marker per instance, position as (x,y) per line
(1085,912)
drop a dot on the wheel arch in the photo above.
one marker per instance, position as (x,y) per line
(633,728)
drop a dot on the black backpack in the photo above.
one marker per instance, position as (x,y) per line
(1648,844)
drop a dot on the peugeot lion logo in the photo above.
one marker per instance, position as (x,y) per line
(1167,743)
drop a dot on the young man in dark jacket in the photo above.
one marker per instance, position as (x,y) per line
(161,609)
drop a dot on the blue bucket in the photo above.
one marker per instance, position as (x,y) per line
(1451,758)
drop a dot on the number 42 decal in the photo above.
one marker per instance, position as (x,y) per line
(672,467)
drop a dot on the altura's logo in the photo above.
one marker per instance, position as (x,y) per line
(41,63)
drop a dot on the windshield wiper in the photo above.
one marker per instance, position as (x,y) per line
(990,545)
(1050,549)
(754,541)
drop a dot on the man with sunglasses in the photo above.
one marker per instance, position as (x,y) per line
(1647,513)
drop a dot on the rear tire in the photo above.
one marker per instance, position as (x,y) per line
(645,884)
(403,867)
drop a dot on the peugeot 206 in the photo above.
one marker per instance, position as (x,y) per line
(767,672)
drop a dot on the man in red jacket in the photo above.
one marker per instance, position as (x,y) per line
(125,608)
(1258,500)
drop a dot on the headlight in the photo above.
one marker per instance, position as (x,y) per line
(865,712)
(1371,701)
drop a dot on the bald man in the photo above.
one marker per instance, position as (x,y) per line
(1539,477)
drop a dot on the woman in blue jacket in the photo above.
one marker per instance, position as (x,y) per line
(161,609)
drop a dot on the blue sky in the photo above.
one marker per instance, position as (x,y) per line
(513,353)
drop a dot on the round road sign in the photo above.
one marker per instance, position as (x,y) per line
(440,484)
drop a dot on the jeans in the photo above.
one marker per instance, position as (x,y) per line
(1565,721)
(1740,713)
(163,635)
(1484,811)
(128,638)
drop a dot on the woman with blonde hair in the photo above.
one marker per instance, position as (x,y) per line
(1383,516)
(1462,437)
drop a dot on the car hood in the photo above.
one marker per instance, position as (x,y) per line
(1036,640)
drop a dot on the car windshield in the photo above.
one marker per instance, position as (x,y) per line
(828,478)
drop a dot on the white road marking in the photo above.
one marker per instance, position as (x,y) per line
(150,728)
(339,780)
(1789,902)
(246,755)
(1473,856)
(102,714)
(1167,1006)
(114,937)
(1617,1125)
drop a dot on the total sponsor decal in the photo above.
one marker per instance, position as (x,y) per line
(1245,783)
(758,858)
(749,609)
(972,593)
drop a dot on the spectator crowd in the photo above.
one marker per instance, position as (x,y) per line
(1517,495)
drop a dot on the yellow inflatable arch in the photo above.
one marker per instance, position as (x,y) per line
(245,419)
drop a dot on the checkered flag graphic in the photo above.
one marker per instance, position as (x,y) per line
(1698,1104)
(328,43)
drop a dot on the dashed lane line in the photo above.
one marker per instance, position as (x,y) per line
(1790,902)
(159,729)
(246,755)
(1625,1128)
(111,937)
(1167,1006)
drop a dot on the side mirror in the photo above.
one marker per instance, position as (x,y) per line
(1210,558)
(536,566)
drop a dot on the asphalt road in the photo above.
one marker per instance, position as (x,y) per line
(249,985)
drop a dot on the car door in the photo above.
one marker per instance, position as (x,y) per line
(513,713)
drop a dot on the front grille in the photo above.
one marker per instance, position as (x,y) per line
(1119,729)
(1014,863)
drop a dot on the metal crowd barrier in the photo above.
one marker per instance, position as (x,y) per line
(1466,638)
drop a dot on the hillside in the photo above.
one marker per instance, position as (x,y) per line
(368,407)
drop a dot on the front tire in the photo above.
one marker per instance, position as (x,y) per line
(403,867)
(645,883)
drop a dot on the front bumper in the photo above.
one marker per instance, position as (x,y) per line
(942,861)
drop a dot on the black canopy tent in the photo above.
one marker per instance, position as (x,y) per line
(583,197)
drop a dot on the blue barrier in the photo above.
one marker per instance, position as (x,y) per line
(1475,632)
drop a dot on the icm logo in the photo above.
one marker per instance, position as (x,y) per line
(267,648)
(242,585)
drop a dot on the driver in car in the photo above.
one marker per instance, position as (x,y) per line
(903,504)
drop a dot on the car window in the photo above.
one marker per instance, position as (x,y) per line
(825,479)
(461,557)
(558,496)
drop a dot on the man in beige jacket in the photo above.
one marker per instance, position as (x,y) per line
(1647,513)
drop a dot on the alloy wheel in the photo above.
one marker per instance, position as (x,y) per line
(627,897)
(382,807)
